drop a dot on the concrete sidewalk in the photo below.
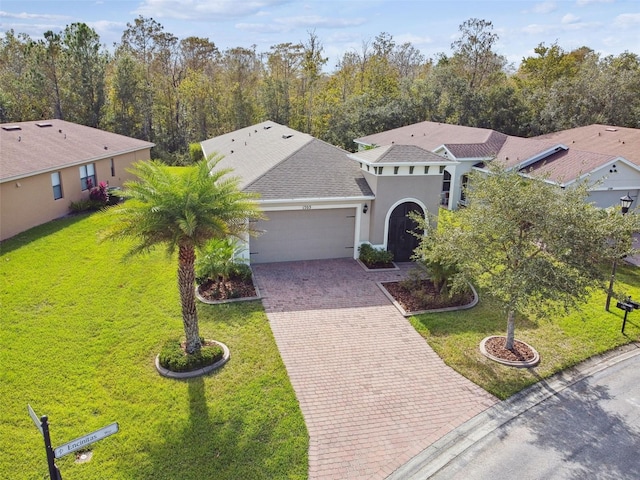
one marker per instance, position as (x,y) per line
(372,391)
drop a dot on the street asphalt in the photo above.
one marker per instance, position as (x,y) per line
(583,423)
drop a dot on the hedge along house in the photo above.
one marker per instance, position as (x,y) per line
(322,202)
(608,157)
(46,165)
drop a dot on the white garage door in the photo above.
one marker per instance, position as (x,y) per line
(304,235)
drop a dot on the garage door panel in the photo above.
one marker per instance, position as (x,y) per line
(304,235)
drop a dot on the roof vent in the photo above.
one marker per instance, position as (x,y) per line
(267,127)
(106,148)
(611,129)
(287,136)
(44,124)
(10,128)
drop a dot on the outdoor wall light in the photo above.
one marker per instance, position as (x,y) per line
(625,203)
(365,209)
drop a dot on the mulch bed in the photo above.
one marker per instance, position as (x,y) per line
(426,297)
(521,351)
(375,266)
(234,287)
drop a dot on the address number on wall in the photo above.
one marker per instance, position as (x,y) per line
(306,207)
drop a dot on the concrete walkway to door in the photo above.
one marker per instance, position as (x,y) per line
(372,392)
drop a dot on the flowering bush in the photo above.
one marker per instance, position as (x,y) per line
(99,193)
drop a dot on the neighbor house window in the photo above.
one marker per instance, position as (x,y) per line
(87,174)
(113,168)
(395,170)
(57,185)
(411,170)
(426,169)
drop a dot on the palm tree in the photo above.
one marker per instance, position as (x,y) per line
(182,211)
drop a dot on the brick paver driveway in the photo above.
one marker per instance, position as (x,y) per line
(372,392)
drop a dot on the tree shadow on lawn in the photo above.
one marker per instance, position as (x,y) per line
(486,318)
(40,231)
(226,443)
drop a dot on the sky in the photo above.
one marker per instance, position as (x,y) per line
(609,27)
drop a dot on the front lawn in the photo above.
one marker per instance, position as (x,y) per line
(79,331)
(561,341)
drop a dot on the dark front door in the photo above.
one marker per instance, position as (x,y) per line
(400,241)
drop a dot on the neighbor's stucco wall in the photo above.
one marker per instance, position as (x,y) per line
(392,189)
(28,202)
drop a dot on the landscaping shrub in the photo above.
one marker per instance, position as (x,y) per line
(174,358)
(373,257)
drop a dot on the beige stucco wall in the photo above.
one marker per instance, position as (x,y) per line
(390,190)
(28,202)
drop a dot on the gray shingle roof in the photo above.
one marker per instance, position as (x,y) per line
(253,151)
(297,167)
(57,144)
(398,154)
(317,170)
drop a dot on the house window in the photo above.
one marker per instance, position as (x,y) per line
(57,185)
(87,174)
(411,170)
(113,168)
(395,170)
(426,169)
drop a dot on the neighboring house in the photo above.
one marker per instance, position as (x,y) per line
(323,202)
(45,165)
(608,156)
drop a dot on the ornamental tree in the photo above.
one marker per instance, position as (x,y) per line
(530,244)
(182,211)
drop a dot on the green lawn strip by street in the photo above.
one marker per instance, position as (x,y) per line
(562,341)
(78,335)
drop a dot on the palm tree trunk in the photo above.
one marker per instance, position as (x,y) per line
(186,284)
(511,329)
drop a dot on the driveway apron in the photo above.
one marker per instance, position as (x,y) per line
(372,392)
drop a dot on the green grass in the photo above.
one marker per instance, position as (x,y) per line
(78,335)
(562,341)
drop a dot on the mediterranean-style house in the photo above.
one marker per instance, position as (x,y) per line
(323,202)
(45,165)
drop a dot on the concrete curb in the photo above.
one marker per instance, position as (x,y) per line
(438,455)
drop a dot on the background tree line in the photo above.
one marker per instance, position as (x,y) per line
(157,87)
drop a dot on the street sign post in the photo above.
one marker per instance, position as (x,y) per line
(35,418)
(82,442)
(42,424)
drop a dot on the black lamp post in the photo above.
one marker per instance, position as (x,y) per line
(625,203)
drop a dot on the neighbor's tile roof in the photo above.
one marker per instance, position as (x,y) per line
(296,167)
(604,139)
(31,149)
(487,149)
(428,135)
(566,166)
(317,170)
(398,154)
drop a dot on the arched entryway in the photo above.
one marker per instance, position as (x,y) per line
(399,239)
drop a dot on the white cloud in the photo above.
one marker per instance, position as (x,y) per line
(34,16)
(537,29)
(415,40)
(318,21)
(261,27)
(627,20)
(544,7)
(582,3)
(570,18)
(210,10)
